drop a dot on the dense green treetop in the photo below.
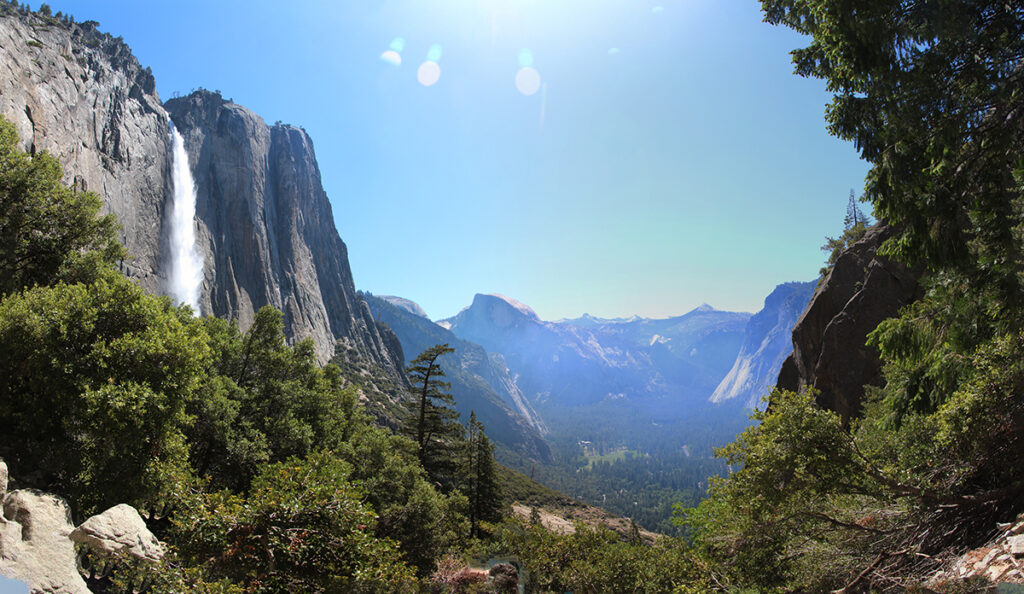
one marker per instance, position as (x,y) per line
(930,93)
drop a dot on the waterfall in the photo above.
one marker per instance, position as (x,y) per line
(185,266)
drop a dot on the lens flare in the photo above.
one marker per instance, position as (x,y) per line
(613,51)
(397,44)
(525,58)
(434,53)
(392,57)
(428,73)
(527,81)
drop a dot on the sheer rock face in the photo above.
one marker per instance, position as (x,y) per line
(829,350)
(265,227)
(266,224)
(83,97)
(767,341)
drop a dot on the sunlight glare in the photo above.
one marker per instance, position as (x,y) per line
(527,81)
(392,57)
(428,73)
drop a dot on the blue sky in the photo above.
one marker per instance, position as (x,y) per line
(669,157)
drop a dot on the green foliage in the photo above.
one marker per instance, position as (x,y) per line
(516,486)
(411,512)
(264,401)
(930,93)
(791,466)
(595,560)
(96,381)
(480,479)
(111,395)
(48,232)
(812,507)
(927,350)
(302,527)
(673,463)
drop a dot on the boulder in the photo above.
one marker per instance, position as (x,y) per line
(1016,545)
(34,543)
(118,530)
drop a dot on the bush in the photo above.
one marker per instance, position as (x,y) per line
(302,528)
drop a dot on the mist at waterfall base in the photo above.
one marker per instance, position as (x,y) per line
(184,264)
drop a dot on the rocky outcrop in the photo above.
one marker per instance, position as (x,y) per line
(767,341)
(1001,561)
(34,543)
(829,350)
(265,227)
(37,539)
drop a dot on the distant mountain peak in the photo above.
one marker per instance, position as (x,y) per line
(519,306)
(406,304)
(703,307)
(589,320)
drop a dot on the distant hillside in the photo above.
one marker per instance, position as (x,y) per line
(403,303)
(655,367)
(480,381)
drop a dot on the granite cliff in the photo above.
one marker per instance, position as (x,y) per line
(82,96)
(265,227)
(767,341)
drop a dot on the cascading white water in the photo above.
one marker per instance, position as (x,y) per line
(185,266)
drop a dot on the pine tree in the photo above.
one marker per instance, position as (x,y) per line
(855,225)
(854,215)
(481,483)
(433,423)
